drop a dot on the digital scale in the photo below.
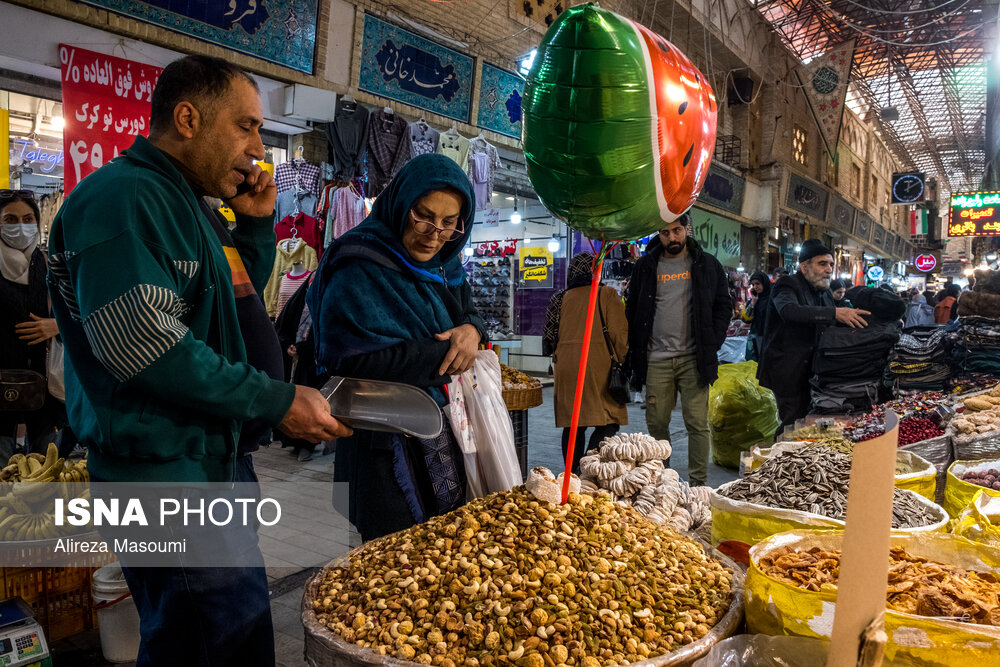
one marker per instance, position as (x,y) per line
(22,642)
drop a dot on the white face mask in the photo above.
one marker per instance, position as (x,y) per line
(18,237)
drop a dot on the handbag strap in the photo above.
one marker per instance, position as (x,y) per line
(604,328)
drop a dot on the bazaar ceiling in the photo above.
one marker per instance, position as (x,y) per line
(924,57)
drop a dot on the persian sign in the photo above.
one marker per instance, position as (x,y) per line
(863,226)
(500,94)
(974,214)
(281,31)
(805,196)
(723,189)
(105,105)
(411,69)
(535,267)
(717,236)
(841,215)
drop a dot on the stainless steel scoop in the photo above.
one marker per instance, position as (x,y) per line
(377,405)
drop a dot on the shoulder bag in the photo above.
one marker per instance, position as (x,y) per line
(617,382)
(21,391)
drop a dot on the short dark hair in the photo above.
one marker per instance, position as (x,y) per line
(196,79)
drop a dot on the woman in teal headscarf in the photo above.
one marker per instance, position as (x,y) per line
(391,302)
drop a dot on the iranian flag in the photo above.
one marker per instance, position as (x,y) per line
(918,221)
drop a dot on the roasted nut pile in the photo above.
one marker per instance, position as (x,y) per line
(510,580)
(916,585)
(986,478)
(814,479)
(515,379)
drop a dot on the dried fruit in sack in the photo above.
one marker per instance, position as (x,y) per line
(509,579)
(916,585)
(989,479)
(515,379)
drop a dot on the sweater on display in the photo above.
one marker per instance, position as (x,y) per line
(286,255)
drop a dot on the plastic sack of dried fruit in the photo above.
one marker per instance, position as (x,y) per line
(980,521)
(776,607)
(738,525)
(958,492)
(741,413)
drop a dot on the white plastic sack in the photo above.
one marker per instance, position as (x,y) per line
(458,418)
(492,432)
(54,373)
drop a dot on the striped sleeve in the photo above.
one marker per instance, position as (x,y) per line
(136,329)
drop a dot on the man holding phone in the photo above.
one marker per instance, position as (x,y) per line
(169,362)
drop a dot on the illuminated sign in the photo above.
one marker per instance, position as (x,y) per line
(974,214)
(925,262)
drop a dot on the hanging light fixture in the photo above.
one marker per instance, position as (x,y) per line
(515,217)
(740,267)
(554,245)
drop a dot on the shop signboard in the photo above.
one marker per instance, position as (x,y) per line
(535,267)
(414,70)
(723,189)
(717,235)
(925,262)
(974,214)
(863,224)
(806,196)
(491,218)
(951,269)
(878,236)
(876,273)
(280,31)
(106,103)
(500,94)
(841,215)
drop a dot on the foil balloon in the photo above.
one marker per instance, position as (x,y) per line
(618,125)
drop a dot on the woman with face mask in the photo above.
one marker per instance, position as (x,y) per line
(25,325)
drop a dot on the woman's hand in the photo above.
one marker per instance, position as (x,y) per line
(462,353)
(38,330)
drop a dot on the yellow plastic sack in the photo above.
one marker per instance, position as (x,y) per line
(922,479)
(777,608)
(737,526)
(980,521)
(958,494)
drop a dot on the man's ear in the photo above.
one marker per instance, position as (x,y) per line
(187,119)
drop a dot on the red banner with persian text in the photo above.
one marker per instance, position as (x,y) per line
(106,104)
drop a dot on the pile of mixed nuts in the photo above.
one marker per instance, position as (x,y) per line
(511,580)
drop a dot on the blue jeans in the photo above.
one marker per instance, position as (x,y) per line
(204,616)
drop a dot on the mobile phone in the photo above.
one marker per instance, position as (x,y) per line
(243,188)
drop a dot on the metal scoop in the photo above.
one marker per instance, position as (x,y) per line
(376,405)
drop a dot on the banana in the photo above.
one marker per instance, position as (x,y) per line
(6,526)
(46,473)
(34,493)
(37,456)
(22,528)
(49,526)
(51,454)
(22,465)
(34,465)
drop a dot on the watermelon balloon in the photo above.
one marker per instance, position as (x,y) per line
(618,125)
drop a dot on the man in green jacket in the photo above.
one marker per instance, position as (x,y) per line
(161,380)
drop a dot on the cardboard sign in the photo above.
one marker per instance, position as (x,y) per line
(106,102)
(864,559)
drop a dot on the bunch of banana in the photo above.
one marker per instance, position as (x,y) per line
(75,471)
(21,527)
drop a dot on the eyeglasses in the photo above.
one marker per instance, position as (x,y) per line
(428,228)
(11,194)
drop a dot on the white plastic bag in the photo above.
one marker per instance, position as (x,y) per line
(54,376)
(492,432)
(458,418)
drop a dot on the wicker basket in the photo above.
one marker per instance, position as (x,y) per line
(522,399)
(324,648)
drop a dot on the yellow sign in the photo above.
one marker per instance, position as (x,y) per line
(535,266)
(5,147)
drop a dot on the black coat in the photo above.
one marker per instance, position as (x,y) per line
(712,309)
(796,316)
(17,303)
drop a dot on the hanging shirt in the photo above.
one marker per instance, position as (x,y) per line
(297,173)
(289,284)
(388,149)
(456,147)
(484,160)
(306,227)
(347,136)
(347,212)
(423,139)
(285,256)
(291,202)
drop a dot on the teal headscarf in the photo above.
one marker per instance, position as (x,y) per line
(369,293)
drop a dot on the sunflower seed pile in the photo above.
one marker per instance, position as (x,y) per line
(815,480)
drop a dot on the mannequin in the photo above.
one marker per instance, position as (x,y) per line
(298,268)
